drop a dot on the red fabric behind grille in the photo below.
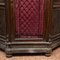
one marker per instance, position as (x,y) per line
(29,17)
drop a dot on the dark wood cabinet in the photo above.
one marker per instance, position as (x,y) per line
(29,26)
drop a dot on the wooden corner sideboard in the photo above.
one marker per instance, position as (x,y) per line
(29,26)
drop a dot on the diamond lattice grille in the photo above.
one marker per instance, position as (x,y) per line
(28,17)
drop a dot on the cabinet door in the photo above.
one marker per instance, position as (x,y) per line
(29,19)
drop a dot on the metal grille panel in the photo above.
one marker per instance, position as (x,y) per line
(29,17)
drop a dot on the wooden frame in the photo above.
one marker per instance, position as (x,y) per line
(11,26)
(47,17)
(44,45)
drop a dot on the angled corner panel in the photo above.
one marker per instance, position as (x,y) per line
(2,24)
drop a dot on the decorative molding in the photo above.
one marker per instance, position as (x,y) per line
(2,4)
(1,36)
(54,37)
(18,43)
(56,6)
(28,38)
(29,50)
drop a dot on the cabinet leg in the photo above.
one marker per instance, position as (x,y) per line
(9,55)
(48,54)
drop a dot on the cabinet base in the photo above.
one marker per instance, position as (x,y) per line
(35,47)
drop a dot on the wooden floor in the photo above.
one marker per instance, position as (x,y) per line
(55,56)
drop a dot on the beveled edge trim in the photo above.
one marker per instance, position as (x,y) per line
(1,39)
(54,36)
(55,43)
(56,6)
(2,36)
(28,38)
(27,49)
(19,43)
(2,4)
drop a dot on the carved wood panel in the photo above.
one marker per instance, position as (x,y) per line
(2,19)
(56,17)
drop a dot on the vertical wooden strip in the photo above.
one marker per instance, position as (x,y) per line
(47,18)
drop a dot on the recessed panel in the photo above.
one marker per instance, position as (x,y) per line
(2,21)
(29,18)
